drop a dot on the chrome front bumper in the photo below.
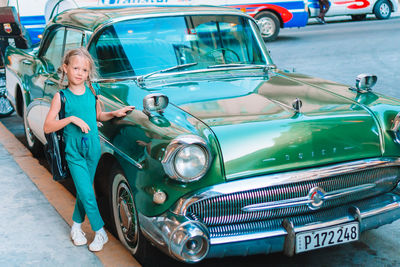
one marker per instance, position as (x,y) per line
(261,215)
(176,234)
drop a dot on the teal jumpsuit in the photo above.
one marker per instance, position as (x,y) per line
(82,154)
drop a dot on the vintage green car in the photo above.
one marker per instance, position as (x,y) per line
(225,154)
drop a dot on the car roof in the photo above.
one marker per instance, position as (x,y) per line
(91,18)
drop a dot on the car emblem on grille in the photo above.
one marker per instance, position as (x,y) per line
(316,196)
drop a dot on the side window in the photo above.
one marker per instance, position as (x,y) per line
(73,40)
(54,52)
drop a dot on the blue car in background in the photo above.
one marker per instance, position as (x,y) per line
(357,9)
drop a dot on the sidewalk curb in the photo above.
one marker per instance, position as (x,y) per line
(113,254)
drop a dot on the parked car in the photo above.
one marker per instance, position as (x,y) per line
(225,154)
(358,10)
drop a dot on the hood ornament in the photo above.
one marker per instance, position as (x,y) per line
(297,104)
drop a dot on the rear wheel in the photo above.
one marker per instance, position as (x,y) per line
(359,17)
(6,109)
(34,145)
(269,25)
(382,9)
(5,106)
(125,221)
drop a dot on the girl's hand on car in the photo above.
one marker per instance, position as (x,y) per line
(80,123)
(123,111)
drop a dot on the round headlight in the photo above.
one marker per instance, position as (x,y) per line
(190,162)
(187,158)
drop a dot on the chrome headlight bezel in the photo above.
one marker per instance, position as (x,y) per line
(177,145)
(395,127)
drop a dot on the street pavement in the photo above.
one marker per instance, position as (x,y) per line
(32,233)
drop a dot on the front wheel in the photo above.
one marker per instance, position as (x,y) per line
(125,220)
(269,25)
(382,9)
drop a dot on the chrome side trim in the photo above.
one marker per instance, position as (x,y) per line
(293,202)
(122,154)
(281,179)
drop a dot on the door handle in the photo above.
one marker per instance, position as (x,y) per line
(26,62)
(48,82)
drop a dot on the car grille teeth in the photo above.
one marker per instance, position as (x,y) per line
(227,209)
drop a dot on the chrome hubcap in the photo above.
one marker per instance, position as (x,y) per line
(267,26)
(5,105)
(126,210)
(385,9)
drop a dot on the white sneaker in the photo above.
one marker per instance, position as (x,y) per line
(78,237)
(98,242)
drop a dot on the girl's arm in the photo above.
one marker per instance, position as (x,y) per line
(51,124)
(105,116)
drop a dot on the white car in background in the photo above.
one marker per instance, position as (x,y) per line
(357,9)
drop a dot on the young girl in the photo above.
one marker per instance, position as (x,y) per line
(82,111)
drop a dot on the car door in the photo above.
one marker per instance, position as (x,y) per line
(47,60)
(340,7)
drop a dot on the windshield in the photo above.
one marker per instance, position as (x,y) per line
(143,46)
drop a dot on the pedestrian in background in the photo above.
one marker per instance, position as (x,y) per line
(82,143)
(323,9)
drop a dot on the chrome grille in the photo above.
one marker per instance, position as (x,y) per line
(298,221)
(227,209)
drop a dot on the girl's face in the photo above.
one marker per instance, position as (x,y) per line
(77,70)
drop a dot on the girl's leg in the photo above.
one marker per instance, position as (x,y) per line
(79,211)
(84,188)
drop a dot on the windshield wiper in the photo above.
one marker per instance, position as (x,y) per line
(228,65)
(234,65)
(140,79)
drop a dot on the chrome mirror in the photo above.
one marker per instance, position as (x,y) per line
(365,82)
(155,103)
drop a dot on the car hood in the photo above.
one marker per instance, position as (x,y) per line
(259,132)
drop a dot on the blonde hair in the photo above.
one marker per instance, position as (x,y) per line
(81,51)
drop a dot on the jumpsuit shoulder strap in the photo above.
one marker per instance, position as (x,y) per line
(61,114)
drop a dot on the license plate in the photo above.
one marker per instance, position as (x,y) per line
(327,237)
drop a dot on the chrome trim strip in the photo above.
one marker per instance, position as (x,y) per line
(281,179)
(240,238)
(122,154)
(293,202)
(385,209)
